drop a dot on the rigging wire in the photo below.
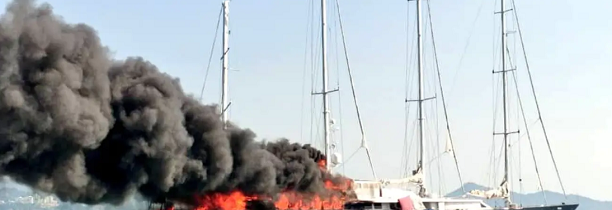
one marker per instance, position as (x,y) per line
(519,142)
(518,118)
(528,134)
(404,159)
(429,112)
(348,67)
(536,100)
(340,124)
(315,119)
(211,53)
(492,164)
(332,51)
(308,29)
(466,46)
(443,99)
(407,149)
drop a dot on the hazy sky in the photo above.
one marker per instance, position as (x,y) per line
(566,43)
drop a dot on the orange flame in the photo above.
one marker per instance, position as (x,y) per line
(334,198)
(233,201)
(294,201)
(322,163)
(288,200)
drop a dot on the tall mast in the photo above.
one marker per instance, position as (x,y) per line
(503,71)
(324,92)
(504,95)
(224,71)
(420,166)
(505,90)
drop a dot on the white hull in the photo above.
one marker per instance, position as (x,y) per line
(375,195)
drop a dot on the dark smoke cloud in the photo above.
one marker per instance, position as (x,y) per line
(89,129)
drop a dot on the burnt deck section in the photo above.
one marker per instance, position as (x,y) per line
(162,203)
(169,205)
(250,205)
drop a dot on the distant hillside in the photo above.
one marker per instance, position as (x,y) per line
(535,199)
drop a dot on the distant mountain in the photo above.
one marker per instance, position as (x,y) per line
(536,199)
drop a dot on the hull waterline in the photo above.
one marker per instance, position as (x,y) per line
(548,207)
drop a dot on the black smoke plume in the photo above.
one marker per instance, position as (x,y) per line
(89,129)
